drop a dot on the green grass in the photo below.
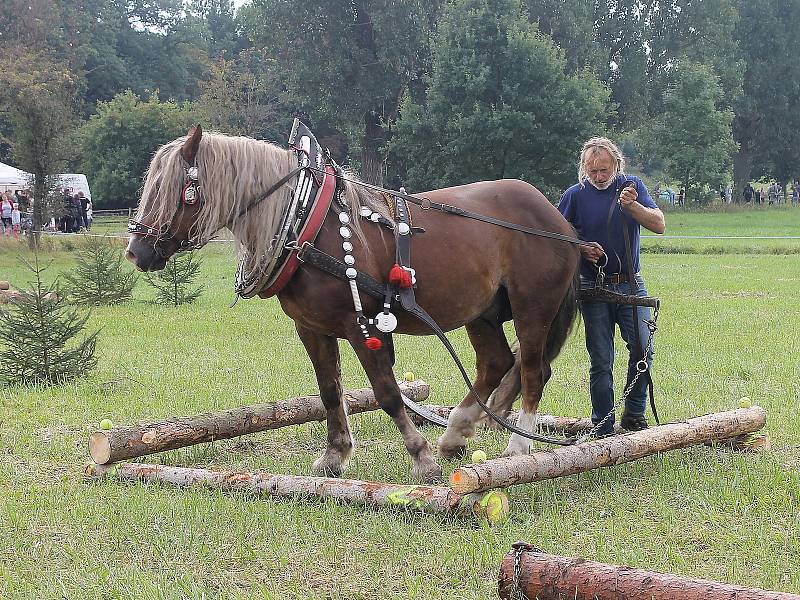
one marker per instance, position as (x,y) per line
(727,329)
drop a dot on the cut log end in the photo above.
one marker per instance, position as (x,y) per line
(492,506)
(463,480)
(100,447)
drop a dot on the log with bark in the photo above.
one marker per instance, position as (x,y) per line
(121,443)
(490,506)
(549,577)
(606,452)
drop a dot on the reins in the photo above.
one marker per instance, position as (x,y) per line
(427,204)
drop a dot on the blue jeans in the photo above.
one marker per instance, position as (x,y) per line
(599,320)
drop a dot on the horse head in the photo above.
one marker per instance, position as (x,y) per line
(170,206)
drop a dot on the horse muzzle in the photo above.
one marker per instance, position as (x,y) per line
(143,255)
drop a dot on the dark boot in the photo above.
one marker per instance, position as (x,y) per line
(630,422)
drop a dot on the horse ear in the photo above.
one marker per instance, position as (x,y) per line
(192,143)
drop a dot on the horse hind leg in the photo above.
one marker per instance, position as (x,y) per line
(324,353)
(502,399)
(378,366)
(493,359)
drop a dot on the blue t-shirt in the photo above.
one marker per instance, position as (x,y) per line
(587,209)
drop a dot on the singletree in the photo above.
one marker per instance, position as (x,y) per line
(101,277)
(36,336)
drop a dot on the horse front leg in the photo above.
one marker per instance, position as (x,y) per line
(323,351)
(378,366)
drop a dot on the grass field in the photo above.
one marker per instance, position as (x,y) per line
(727,329)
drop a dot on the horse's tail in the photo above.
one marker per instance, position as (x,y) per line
(564,319)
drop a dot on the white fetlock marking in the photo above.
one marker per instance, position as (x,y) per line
(460,426)
(517,444)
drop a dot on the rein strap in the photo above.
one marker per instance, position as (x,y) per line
(426,204)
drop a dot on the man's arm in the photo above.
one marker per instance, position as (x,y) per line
(649,218)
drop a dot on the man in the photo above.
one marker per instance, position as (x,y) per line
(748,193)
(603,202)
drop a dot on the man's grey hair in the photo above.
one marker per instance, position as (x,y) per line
(591,146)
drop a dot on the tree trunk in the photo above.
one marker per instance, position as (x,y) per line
(742,167)
(548,577)
(606,452)
(492,506)
(122,443)
(372,167)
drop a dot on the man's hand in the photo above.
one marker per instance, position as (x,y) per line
(591,251)
(628,196)
(649,218)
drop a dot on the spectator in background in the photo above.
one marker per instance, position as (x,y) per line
(6,207)
(762,196)
(728,194)
(682,197)
(16,218)
(89,217)
(77,213)
(65,221)
(84,201)
(748,193)
(772,193)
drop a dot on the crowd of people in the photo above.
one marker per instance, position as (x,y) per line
(773,194)
(74,213)
(11,207)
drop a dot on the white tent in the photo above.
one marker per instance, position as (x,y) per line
(76,181)
(12,178)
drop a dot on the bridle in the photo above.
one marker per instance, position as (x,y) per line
(191,195)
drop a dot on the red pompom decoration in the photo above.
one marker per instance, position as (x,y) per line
(400,277)
(373,343)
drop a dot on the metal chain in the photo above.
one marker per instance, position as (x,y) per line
(641,367)
(516,589)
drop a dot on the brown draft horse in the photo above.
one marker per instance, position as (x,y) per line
(468,273)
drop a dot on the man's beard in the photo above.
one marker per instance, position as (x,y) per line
(602,186)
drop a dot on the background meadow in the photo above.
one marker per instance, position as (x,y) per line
(727,329)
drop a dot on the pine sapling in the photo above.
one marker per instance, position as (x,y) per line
(36,330)
(101,276)
(174,283)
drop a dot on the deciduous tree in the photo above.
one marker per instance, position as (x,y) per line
(120,139)
(347,63)
(500,104)
(693,133)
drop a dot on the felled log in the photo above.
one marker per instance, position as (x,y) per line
(121,443)
(548,577)
(606,452)
(7,295)
(490,506)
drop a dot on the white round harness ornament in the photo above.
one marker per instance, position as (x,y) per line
(385,322)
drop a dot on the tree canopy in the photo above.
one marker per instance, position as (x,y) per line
(556,70)
(500,104)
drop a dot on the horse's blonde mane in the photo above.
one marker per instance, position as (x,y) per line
(233,173)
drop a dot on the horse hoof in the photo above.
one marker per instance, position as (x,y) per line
(429,474)
(453,452)
(325,466)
